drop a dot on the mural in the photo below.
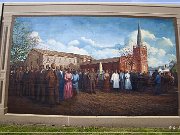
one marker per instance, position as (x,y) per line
(90,65)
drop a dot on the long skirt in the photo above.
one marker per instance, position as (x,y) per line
(68,93)
(128,85)
(106,85)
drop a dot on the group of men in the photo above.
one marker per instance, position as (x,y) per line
(43,84)
(158,82)
(164,81)
(47,84)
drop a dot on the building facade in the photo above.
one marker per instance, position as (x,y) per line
(37,57)
(137,61)
(110,64)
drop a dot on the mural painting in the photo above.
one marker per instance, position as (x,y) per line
(91,65)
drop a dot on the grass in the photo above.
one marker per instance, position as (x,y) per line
(46,129)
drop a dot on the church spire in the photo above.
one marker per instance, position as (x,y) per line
(139,37)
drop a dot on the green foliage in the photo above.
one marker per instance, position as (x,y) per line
(22,41)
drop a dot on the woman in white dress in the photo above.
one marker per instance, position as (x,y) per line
(115,80)
(128,85)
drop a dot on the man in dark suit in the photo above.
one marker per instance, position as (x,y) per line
(26,90)
(61,83)
(46,84)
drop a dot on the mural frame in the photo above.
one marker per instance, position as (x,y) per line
(12,10)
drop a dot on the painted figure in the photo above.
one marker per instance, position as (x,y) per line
(26,89)
(121,77)
(92,78)
(85,81)
(32,83)
(19,81)
(46,84)
(80,83)
(157,84)
(134,80)
(68,93)
(53,85)
(61,83)
(107,81)
(75,81)
(41,91)
(128,85)
(115,80)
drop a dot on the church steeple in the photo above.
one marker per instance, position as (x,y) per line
(139,37)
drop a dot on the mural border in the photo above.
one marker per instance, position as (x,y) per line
(12,10)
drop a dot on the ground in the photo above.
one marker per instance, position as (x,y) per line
(103,104)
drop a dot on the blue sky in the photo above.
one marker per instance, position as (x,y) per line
(105,37)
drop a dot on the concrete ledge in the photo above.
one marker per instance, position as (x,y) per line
(86,121)
(25,119)
(126,121)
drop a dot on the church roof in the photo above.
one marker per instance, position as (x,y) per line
(62,54)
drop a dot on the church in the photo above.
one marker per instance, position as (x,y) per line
(137,61)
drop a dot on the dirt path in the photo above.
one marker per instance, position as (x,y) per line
(101,103)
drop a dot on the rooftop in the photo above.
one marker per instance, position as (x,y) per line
(52,53)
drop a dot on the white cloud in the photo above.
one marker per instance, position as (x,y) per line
(164,42)
(171,57)
(54,45)
(73,43)
(161,52)
(77,50)
(155,52)
(35,35)
(147,35)
(132,37)
(105,53)
(154,62)
(157,55)
(88,41)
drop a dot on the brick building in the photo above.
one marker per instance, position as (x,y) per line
(37,57)
(136,61)
(110,64)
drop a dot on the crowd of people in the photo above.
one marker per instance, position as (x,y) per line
(53,84)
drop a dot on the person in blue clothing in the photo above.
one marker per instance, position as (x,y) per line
(61,83)
(75,82)
(157,84)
